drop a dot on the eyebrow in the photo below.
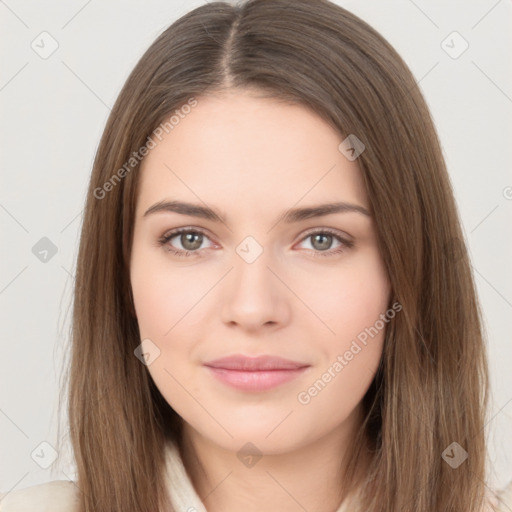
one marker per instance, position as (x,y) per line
(289,216)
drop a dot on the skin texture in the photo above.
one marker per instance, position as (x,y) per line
(251,159)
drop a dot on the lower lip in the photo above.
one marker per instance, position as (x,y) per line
(255,380)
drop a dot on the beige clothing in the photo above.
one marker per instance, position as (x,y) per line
(62,495)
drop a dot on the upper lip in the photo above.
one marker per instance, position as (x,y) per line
(245,363)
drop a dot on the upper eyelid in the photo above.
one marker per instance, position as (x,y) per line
(178,231)
(333,231)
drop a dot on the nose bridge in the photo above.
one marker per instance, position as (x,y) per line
(254,296)
(252,276)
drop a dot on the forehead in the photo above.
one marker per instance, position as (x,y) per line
(252,152)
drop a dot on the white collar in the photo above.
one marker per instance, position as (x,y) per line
(181,491)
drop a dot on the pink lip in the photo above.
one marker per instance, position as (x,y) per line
(255,373)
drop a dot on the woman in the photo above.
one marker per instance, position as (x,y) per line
(274,307)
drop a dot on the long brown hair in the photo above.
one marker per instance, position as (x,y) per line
(431,390)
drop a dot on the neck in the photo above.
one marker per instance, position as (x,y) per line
(308,477)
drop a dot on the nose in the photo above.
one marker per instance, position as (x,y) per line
(255,296)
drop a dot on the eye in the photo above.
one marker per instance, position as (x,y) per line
(322,240)
(190,239)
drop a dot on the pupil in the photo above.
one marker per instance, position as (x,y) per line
(326,244)
(187,239)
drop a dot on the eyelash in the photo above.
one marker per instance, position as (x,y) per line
(164,240)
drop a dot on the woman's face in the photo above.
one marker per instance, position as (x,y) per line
(264,274)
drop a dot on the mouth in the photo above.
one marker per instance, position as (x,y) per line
(255,373)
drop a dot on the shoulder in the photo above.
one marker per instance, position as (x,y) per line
(56,496)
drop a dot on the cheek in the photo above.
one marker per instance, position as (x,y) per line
(351,299)
(162,301)
(153,305)
(353,310)
(162,298)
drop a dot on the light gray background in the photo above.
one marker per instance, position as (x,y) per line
(52,115)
